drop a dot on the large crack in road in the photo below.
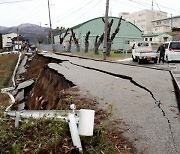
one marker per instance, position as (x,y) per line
(157,103)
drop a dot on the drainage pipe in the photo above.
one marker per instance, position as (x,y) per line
(15,70)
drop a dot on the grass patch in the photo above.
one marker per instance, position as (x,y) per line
(113,56)
(7,64)
(50,136)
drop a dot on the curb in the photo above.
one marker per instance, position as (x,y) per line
(176,79)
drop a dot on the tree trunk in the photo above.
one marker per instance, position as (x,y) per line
(113,36)
(61,39)
(87,41)
(77,48)
(97,44)
(86,47)
(69,46)
(75,41)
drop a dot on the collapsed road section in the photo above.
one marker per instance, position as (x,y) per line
(139,95)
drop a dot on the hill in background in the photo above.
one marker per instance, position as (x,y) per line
(30,31)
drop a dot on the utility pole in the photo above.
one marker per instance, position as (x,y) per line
(171,22)
(50,25)
(18,38)
(105,30)
(152,5)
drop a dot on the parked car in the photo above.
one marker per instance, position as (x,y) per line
(145,51)
(119,51)
(172,51)
(123,51)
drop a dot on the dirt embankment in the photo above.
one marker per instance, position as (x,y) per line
(46,93)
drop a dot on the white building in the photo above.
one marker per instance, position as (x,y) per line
(166,24)
(7,40)
(143,19)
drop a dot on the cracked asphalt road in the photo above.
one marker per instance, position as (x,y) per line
(144,99)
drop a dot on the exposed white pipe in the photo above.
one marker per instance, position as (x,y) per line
(15,70)
(74,131)
(6,91)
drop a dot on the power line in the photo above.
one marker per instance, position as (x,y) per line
(82,7)
(10,2)
(146,4)
(157,5)
(85,12)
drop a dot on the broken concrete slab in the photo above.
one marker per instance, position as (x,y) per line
(21,68)
(25,84)
(20,96)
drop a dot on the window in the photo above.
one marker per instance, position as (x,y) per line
(150,39)
(146,39)
(175,45)
(143,44)
(158,22)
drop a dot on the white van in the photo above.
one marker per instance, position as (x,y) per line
(172,51)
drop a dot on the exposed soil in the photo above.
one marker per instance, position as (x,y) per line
(52,91)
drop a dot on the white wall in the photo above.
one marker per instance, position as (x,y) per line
(7,38)
(142,19)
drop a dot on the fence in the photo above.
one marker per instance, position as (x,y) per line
(56,47)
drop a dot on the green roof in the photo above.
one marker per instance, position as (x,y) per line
(110,17)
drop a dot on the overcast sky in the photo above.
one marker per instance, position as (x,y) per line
(69,13)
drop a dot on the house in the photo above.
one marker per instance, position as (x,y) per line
(7,41)
(19,42)
(157,37)
(128,33)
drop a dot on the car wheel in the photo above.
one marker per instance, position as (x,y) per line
(136,58)
(139,61)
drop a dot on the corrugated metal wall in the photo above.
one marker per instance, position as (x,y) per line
(127,33)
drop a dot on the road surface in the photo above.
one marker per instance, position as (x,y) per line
(144,99)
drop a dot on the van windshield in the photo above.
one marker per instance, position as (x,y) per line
(175,45)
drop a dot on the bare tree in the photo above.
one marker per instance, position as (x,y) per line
(110,39)
(87,41)
(61,38)
(108,36)
(97,43)
(75,41)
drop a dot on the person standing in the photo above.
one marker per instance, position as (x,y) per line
(161,49)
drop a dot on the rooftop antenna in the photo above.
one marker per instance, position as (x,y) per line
(152,5)
(157,5)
